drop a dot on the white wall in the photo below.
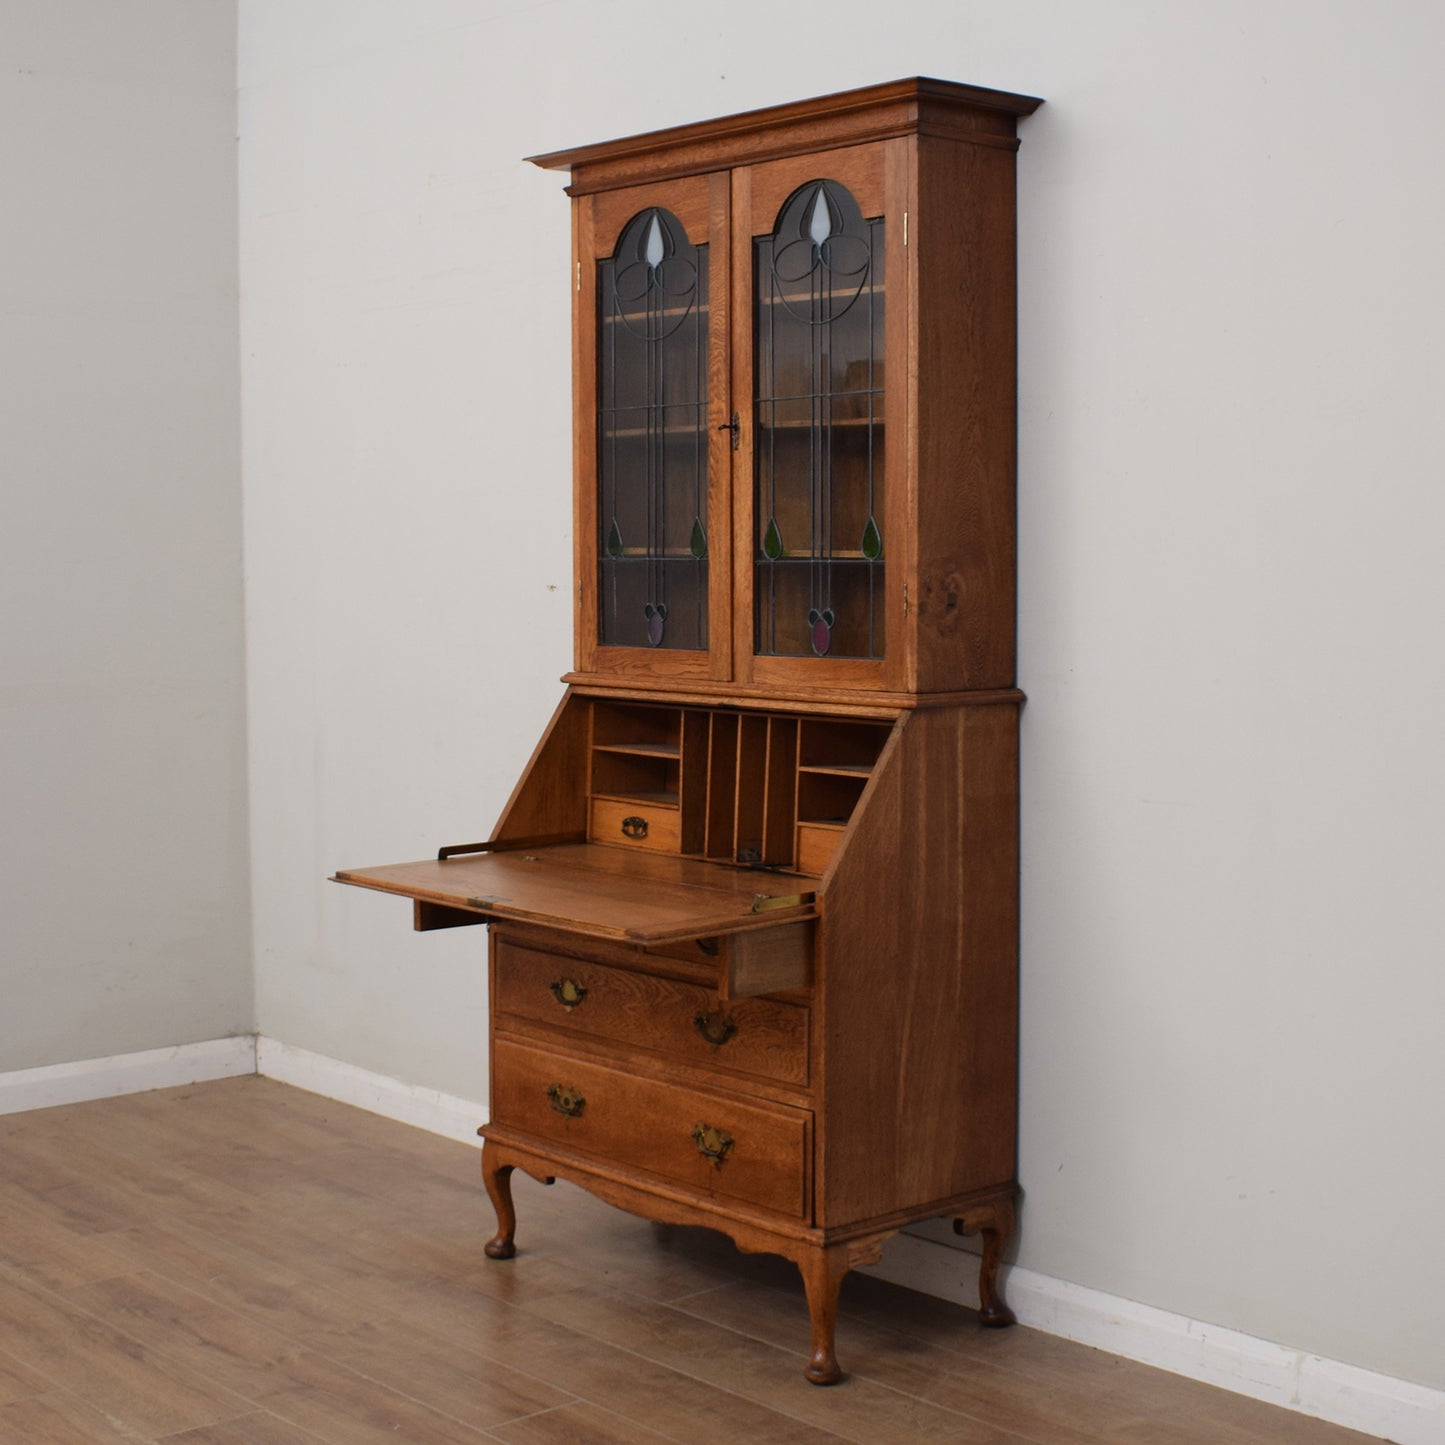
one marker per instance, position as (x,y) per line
(1230,597)
(124,906)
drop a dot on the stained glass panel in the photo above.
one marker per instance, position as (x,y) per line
(819,553)
(652,437)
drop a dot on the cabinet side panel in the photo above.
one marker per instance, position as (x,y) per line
(964,234)
(551,795)
(919,961)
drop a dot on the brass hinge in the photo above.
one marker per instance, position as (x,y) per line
(579,272)
(905,228)
(766,902)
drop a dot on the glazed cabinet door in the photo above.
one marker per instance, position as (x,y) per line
(652,438)
(821,524)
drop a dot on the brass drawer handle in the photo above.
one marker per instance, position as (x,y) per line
(566,1100)
(634,827)
(717,1029)
(712,1143)
(567,993)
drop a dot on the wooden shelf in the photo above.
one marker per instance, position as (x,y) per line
(650,800)
(640,750)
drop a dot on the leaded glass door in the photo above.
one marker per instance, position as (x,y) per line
(654,554)
(825,545)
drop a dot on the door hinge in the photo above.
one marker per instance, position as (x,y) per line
(905,228)
(579,272)
(905,599)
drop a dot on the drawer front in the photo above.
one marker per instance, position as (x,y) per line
(638,825)
(739,1149)
(817,842)
(757,1036)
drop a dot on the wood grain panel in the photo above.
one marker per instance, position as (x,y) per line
(963,599)
(766,1037)
(599,890)
(919,936)
(647,1124)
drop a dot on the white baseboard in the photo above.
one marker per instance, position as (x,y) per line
(42,1088)
(1359,1399)
(428,1109)
(1343,1394)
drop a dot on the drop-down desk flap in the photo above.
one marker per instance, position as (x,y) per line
(761,921)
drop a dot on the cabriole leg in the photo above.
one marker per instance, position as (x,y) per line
(498,1179)
(823,1271)
(994,1221)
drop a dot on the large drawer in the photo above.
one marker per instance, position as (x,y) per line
(758,1152)
(684,1021)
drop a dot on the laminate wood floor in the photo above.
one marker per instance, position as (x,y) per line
(241,1263)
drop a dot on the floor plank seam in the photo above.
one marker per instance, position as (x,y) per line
(262,1264)
(784,1410)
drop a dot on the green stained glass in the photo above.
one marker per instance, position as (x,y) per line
(872,541)
(697,545)
(773,541)
(614,540)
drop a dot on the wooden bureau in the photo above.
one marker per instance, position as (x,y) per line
(754,900)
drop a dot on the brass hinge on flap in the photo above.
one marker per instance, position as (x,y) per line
(766,902)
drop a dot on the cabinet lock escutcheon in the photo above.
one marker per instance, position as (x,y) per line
(566,1100)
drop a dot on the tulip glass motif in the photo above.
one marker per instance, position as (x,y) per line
(652,437)
(819,433)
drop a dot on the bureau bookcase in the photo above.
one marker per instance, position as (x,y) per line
(753,903)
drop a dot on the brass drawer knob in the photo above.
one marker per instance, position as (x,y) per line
(712,1143)
(634,827)
(566,1100)
(717,1029)
(568,993)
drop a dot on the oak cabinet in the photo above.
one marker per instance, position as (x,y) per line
(753,952)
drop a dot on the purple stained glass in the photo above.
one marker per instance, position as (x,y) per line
(821,634)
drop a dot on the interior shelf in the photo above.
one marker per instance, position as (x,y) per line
(753,789)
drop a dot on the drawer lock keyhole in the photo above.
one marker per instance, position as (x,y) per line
(566,1100)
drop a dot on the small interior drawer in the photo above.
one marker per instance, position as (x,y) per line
(635,824)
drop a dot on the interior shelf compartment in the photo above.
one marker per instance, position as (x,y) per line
(731,785)
(636,754)
(840,745)
(828,797)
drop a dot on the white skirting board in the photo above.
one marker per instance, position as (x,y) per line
(1363,1400)
(1346,1395)
(407,1103)
(52,1084)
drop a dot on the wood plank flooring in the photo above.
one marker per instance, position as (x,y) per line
(241,1263)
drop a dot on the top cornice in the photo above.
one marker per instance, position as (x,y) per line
(849,117)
